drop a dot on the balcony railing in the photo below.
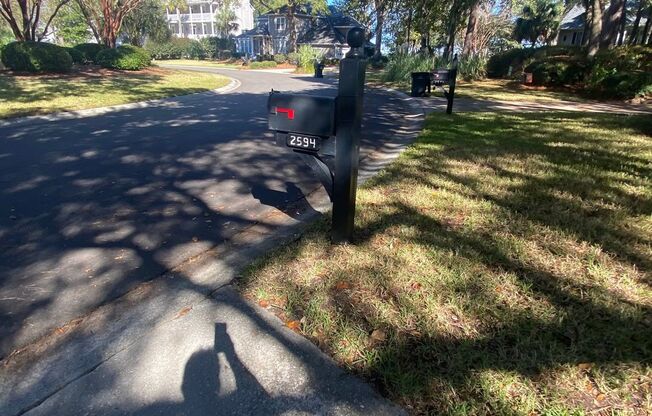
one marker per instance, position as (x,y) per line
(192,18)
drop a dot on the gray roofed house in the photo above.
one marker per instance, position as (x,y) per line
(571,28)
(325,32)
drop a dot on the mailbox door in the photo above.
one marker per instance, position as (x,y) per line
(304,114)
(440,76)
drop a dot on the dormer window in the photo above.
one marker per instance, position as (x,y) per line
(279,24)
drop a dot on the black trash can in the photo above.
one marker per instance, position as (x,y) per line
(319,69)
(420,84)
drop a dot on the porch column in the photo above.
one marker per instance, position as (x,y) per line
(179,20)
(210,6)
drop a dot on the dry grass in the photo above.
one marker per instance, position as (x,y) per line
(503,265)
(22,95)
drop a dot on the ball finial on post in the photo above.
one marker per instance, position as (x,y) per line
(355,37)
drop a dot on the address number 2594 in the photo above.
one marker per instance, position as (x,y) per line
(303,142)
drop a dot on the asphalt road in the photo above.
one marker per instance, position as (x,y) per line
(94,206)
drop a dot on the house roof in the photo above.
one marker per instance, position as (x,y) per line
(575,16)
(326,29)
(260,29)
(322,32)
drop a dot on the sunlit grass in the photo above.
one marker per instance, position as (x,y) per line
(491,89)
(39,94)
(196,62)
(503,265)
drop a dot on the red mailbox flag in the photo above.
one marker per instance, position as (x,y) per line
(288,111)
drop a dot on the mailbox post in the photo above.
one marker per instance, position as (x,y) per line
(347,145)
(450,95)
(318,127)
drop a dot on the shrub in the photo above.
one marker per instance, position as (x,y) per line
(262,65)
(225,54)
(558,70)
(125,57)
(293,58)
(90,51)
(77,57)
(379,62)
(36,57)
(472,68)
(178,48)
(623,72)
(498,65)
(280,58)
(307,57)
(198,49)
(401,65)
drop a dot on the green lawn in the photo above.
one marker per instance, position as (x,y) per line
(39,94)
(502,265)
(195,62)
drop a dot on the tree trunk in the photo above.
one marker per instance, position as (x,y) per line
(292,23)
(409,28)
(646,29)
(637,23)
(596,28)
(380,21)
(469,38)
(587,23)
(623,24)
(610,24)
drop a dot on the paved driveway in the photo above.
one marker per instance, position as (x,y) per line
(94,206)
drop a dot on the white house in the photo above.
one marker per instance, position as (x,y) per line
(198,20)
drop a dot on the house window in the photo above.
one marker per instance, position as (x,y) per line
(279,24)
(194,29)
(574,37)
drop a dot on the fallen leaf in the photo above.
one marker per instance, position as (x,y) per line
(263,303)
(584,366)
(600,397)
(378,335)
(343,285)
(183,312)
(415,286)
(293,325)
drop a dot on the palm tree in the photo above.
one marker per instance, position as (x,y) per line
(538,22)
(225,19)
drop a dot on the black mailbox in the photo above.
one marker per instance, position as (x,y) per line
(304,114)
(440,76)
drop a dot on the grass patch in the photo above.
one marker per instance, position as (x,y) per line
(90,88)
(492,90)
(195,62)
(505,90)
(502,265)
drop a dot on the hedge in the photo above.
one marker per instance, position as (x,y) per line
(179,48)
(280,58)
(262,65)
(517,59)
(623,72)
(77,57)
(36,57)
(89,51)
(127,57)
(559,70)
